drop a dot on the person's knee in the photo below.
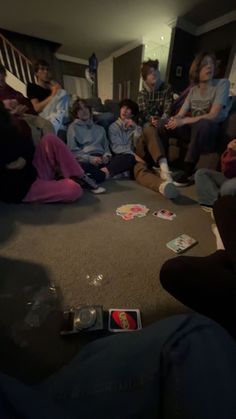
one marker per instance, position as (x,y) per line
(228,188)
(200,174)
(72,191)
(170,272)
(50,138)
(149,131)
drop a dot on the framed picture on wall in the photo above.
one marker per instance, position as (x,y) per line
(179,71)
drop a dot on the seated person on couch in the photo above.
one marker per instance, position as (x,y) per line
(47,96)
(88,142)
(211,184)
(209,104)
(22,110)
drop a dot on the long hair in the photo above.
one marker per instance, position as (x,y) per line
(196,66)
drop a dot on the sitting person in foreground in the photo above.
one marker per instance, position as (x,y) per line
(208,284)
(47,96)
(22,110)
(211,184)
(88,142)
(28,174)
(155,104)
(209,104)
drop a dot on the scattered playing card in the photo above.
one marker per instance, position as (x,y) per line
(130,211)
(181,243)
(165,214)
(124,320)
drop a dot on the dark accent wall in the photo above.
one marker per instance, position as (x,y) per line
(223,42)
(185,46)
(182,49)
(127,68)
(72,69)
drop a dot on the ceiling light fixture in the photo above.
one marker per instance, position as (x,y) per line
(162,38)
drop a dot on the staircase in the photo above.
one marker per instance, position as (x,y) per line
(15,62)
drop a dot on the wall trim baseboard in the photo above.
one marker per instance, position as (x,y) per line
(207,27)
(70,59)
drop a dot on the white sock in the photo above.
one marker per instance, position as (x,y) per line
(165,171)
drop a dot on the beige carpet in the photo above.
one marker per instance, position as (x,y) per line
(64,244)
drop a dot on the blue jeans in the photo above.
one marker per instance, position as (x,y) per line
(210,184)
(181,367)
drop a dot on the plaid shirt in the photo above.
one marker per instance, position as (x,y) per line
(156,102)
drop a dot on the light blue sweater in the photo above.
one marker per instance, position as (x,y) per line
(86,139)
(122,139)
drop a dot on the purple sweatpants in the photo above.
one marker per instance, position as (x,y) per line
(51,154)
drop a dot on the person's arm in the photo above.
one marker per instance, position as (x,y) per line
(75,145)
(168,101)
(145,112)
(107,151)
(39,106)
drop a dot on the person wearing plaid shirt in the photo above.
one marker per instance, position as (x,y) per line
(155,102)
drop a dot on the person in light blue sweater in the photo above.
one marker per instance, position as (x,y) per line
(88,142)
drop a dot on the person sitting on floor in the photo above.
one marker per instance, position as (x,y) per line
(155,105)
(47,96)
(22,110)
(211,184)
(28,174)
(209,104)
(124,132)
(88,142)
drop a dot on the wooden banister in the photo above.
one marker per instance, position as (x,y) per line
(15,62)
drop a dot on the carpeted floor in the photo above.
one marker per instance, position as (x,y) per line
(63,244)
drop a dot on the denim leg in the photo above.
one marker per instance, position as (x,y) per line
(208,183)
(228,187)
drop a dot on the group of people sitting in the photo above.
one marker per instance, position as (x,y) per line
(37,166)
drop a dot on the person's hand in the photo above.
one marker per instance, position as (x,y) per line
(106,159)
(232,145)
(96,161)
(138,159)
(10,104)
(174,123)
(154,121)
(19,110)
(54,88)
(16,164)
(129,123)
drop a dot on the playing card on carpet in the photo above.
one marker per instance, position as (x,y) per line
(165,214)
(181,243)
(129,211)
(124,320)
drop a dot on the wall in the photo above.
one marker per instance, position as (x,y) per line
(182,49)
(127,68)
(105,79)
(72,69)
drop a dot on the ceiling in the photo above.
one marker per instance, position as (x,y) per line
(103,26)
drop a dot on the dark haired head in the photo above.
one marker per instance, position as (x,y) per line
(40,63)
(2,69)
(147,66)
(77,107)
(6,127)
(197,65)
(130,104)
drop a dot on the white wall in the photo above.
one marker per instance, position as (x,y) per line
(15,83)
(105,79)
(77,86)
